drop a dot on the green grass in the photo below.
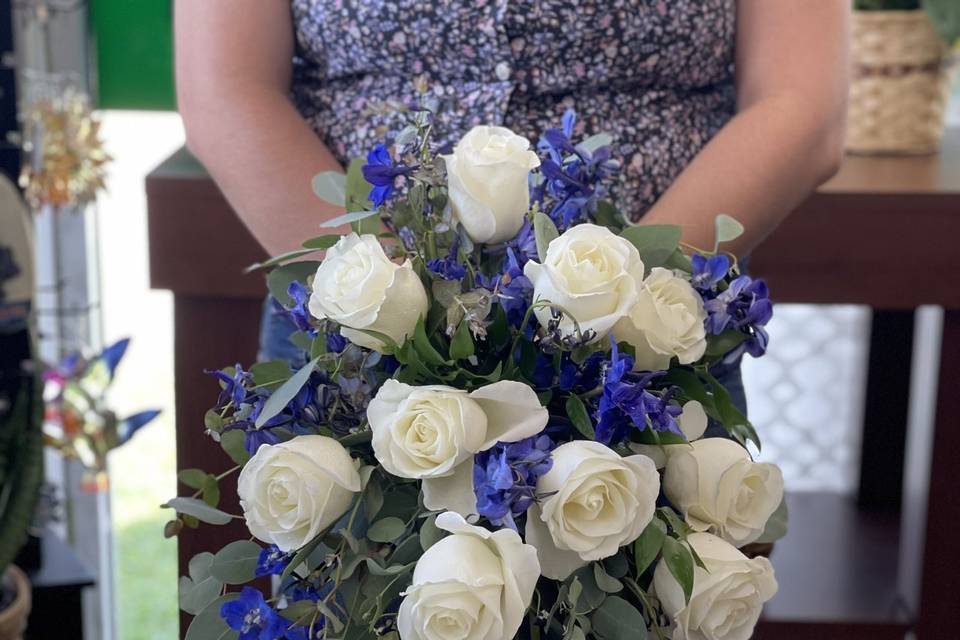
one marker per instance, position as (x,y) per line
(143,476)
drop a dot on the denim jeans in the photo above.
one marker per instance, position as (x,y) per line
(276,329)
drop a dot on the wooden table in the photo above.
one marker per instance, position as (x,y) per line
(883,233)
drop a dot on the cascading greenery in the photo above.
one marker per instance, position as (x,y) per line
(21,464)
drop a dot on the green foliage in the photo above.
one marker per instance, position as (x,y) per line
(945,15)
(285,393)
(617,619)
(201,587)
(776,526)
(680,563)
(544,232)
(208,625)
(655,242)
(647,547)
(331,186)
(21,467)
(236,563)
(198,509)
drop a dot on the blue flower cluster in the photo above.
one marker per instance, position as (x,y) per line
(298,312)
(572,175)
(450,267)
(255,619)
(381,172)
(505,477)
(627,403)
(272,561)
(743,306)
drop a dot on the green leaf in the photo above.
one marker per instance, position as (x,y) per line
(212,421)
(596,141)
(358,189)
(386,529)
(200,588)
(280,398)
(776,526)
(299,611)
(430,533)
(605,581)
(211,490)
(301,555)
(544,231)
(283,257)
(617,619)
(347,218)
(272,372)
(322,242)
(199,510)
(609,216)
(425,348)
(372,500)
(647,547)
(392,570)
(578,415)
(728,228)
(655,242)
(208,625)
(733,420)
(280,278)
(461,346)
(721,345)
(234,443)
(679,261)
(236,563)
(680,563)
(193,478)
(331,186)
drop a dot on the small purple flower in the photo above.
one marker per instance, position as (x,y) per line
(516,290)
(744,306)
(449,268)
(235,387)
(299,313)
(585,375)
(505,478)
(336,343)
(381,172)
(272,561)
(253,617)
(408,239)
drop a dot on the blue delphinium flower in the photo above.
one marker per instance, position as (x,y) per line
(235,387)
(448,268)
(298,312)
(744,306)
(627,403)
(524,245)
(516,290)
(313,630)
(505,478)
(272,561)
(585,375)
(381,172)
(707,272)
(253,617)
(571,175)
(336,343)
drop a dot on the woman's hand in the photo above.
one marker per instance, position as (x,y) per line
(787,137)
(234,65)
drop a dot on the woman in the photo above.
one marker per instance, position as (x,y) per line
(732,106)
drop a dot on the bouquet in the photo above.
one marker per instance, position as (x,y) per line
(507,423)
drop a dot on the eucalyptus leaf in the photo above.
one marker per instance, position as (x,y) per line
(236,563)
(194,596)
(211,490)
(193,478)
(347,218)
(393,570)
(776,527)
(331,186)
(596,141)
(322,242)
(280,398)
(461,346)
(617,619)
(278,280)
(430,533)
(680,564)
(655,242)
(208,625)
(728,228)
(647,547)
(233,443)
(386,529)
(299,611)
(604,580)
(199,510)
(280,259)
(544,231)
(271,372)
(578,415)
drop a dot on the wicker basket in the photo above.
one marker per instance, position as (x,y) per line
(902,73)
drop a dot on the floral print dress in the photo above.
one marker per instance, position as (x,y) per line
(655,74)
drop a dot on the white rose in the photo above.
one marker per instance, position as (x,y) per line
(360,288)
(431,433)
(600,501)
(592,273)
(472,585)
(666,321)
(488,174)
(719,489)
(290,492)
(727,598)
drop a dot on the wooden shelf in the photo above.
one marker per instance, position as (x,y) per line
(837,566)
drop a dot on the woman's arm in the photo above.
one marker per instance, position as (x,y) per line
(787,137)
(234,64)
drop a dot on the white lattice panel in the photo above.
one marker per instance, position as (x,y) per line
(806,395)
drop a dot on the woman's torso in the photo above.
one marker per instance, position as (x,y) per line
(655,74)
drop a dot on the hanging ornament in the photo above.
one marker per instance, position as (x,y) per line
(66,161)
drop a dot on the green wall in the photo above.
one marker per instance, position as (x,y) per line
(134,52)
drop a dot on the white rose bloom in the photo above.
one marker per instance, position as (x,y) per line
(290,492)
(666,321)
(472,585)
(727,598)
(719,489)
(600,501)
(488,175)
(432,432)
(592,273)
(358,287)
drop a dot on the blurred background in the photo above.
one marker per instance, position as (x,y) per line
(108,64)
